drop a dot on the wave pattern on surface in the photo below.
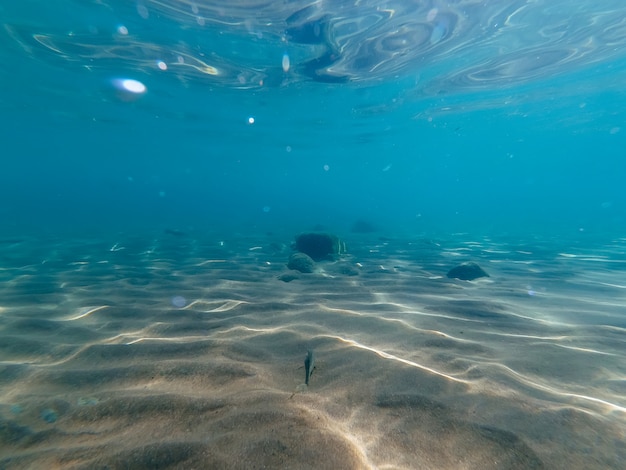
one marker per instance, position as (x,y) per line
(447,46)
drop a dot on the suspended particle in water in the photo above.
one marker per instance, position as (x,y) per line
(326,168)
(285,63)
(161,193)
(288,149)
(266,209)
(122,30)
(142,10)
(161,65)
(179,301)
(251,120)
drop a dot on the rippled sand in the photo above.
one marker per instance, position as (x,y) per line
(100,369)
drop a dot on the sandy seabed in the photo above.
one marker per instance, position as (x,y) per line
(174,351)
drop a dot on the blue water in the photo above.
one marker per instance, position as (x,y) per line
(430,119)
(426,145)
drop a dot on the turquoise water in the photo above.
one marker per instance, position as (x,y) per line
(493,126)
(144,141)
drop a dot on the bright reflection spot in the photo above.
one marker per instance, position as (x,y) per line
(129,85)
(392,357)
(286,63)
(123,30)
(161,65)
(432,13)
(251,120)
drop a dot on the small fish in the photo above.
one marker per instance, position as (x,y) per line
(309,365)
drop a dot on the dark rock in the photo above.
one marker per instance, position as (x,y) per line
(467,272)
(174,232)
(320,246)
(363,226)
(301,262)
(289,276)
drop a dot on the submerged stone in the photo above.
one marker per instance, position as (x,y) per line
(363,226)
(320,246)
(467,272)
(301,262)
(289,276)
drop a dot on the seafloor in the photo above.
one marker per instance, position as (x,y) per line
(186,351)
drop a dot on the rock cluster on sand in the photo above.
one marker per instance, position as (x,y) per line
(320,246)
(301,262)
(467,272)
(311,247)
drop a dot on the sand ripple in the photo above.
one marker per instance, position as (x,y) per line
(156,358)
